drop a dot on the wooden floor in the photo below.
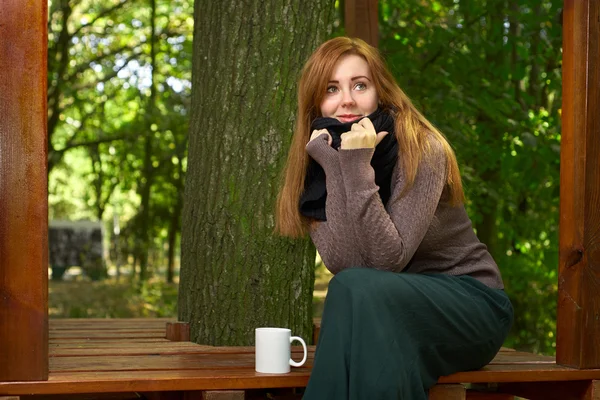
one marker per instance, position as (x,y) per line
(132,355)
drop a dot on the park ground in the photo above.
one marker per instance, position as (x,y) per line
(78,297)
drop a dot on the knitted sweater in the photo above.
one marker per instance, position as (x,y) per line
(418,232)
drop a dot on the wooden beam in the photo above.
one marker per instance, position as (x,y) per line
(361,19)
(488,396)
(23,191)
(448,392)
(220,395)
(564,390)
(578,320)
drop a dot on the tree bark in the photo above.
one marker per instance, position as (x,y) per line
(235,274)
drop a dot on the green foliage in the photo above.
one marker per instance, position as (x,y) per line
(118,95)
(110,299)
(487,73)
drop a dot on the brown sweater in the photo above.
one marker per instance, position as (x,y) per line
(418,232)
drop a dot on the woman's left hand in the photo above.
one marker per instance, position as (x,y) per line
(362,135)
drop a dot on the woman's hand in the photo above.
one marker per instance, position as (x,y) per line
(316,148)
(318,132)
(362,135)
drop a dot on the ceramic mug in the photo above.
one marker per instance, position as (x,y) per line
(273,350)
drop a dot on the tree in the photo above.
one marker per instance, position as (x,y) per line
(85,51)
(487,73)
(235,274)
(119,71)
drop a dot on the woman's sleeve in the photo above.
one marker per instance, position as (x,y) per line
(387,239)
(334,238)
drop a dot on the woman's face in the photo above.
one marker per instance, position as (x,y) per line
(350,91)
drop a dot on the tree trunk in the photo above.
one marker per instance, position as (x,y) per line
(495,57)
(235,274)
(145,192)
(174,226)
(534,72)
(514,34)
(58,61)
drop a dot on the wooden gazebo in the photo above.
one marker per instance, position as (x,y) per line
(24,325)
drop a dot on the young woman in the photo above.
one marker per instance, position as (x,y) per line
(415,294)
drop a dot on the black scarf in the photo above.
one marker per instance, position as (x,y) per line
(312,200)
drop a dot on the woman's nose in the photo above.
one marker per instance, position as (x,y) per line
(347,99)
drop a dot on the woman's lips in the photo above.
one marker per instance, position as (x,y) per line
(348,117)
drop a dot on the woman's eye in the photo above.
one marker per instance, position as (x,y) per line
(360,86)
(331,89)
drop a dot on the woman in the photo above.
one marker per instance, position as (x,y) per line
(415,294)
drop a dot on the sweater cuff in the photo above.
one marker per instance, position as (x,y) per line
(322,152)
(357,170)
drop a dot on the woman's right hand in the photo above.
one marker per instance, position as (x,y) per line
(318,132)
(316,148)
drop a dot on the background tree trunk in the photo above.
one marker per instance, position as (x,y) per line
(146,216)
(235,274)
(495,56)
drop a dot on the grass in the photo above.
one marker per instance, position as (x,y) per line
(322,277)
(111,299)
(79,297)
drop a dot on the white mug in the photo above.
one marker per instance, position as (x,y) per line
(273,350)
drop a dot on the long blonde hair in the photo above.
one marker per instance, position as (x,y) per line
(411,128)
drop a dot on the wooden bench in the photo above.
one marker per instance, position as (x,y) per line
(132,358)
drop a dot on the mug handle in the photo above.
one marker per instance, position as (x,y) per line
(301,363)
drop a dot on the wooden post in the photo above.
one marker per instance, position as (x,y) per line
(178,331)
(578,321)
(361,20)
(23,191)
(593,391)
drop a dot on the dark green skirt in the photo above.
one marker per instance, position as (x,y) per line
(387,335)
